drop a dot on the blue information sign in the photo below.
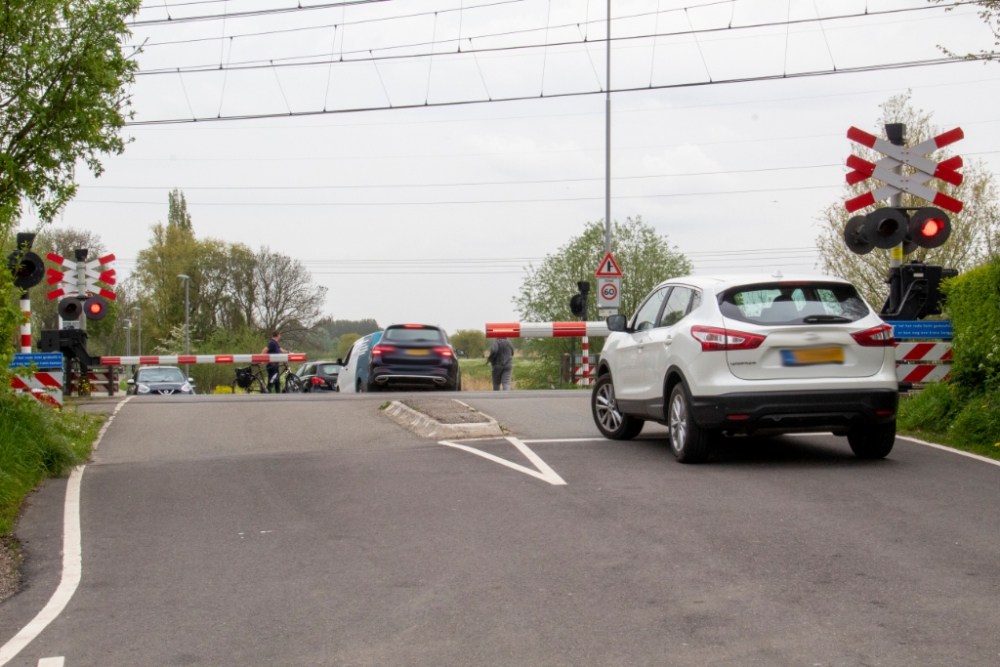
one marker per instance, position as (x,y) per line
(922,329)
(47,360)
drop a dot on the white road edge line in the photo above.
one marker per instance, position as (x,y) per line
(945,448)
(567,440)
(72,568)
(544,472)
(52,662)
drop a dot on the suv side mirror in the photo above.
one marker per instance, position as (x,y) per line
(617,323)
(340,361)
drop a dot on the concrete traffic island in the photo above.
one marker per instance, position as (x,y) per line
(442,419)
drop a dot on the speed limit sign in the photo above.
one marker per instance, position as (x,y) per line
(609,293)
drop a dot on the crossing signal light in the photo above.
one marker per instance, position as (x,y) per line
(26,266)
(929,227)
(578,304)
(70,309)
(926,227)
(95,308)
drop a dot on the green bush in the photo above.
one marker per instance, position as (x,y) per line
(931,410)
(37,442)
(974,308)
(979,421)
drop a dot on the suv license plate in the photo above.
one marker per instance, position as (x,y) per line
(418,353)
(814,355)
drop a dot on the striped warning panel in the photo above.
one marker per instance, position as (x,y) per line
(923,352)
(922,372)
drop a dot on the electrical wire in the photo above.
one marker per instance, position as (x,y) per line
(477,201)
(448,185)
(281,62)
(692,84)
(255,12)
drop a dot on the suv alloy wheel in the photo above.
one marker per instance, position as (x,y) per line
(610,421)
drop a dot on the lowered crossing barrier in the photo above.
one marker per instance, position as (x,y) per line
(546,329)
(202,359)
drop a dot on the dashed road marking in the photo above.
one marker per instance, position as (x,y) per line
(52,662)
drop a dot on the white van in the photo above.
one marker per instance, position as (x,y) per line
(353,376)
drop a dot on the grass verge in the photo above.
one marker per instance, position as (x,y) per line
(37,442)
(529,373)
(944,414)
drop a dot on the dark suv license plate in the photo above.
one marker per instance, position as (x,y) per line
(812,356)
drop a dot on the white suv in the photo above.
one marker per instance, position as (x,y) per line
(750,354)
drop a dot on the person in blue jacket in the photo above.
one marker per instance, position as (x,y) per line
(274,347)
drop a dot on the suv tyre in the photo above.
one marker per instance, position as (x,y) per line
(610,421)
(873,441)
(689,441)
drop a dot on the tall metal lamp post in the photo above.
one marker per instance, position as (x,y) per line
(137,313)
(187,323)
(128,337)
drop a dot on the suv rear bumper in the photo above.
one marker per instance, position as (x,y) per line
(785,411)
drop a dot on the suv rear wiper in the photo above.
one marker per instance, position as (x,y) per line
(826,319)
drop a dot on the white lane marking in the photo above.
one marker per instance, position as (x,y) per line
(944,448)
(72,568)
(544,472)
(568,440)
(52,662)
(71,571)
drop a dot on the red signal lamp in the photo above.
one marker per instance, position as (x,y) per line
(929,227)
(95,308)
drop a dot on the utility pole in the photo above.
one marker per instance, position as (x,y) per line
(187,323)
(896,134)
(607,144)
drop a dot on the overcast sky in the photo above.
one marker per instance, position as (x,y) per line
(430,214)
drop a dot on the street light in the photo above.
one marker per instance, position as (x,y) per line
(138,316)
(187,326)
(128,337)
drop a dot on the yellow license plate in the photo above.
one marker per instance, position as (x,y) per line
(418,353)
(814,355)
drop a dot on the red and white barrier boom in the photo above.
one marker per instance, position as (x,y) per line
(546,329)
(912,156)
(202,359)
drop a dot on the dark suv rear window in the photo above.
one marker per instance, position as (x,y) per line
(793,303)
(413,335)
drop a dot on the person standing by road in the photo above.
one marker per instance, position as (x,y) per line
(502,359)
(273,376)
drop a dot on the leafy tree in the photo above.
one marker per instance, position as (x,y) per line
(337,328)
(62,97)
(990,14)
(172,251)
(345,344)
(177,213)
(645,258)
(470,341)
(975,235)
(286,296)
(62,100)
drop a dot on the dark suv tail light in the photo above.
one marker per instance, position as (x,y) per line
(713,339)
(379,349)
(880,336)
(444,351)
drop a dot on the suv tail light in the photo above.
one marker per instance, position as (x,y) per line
(444,351)
(714,339)
(379,349)
(880,336)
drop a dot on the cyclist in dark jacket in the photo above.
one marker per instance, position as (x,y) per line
(274,347)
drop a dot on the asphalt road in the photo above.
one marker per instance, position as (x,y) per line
(311,530)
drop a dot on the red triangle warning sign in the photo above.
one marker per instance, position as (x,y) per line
(608,268)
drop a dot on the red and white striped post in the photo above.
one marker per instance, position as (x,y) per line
(586,361)
(26,327)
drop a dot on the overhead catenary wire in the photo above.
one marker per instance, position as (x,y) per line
(519,98)
(282,62)
(252,13)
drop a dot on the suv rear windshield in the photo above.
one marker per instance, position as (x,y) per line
(793,303)
(413,335)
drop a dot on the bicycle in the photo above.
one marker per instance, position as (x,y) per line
(293,383)
(250,380)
